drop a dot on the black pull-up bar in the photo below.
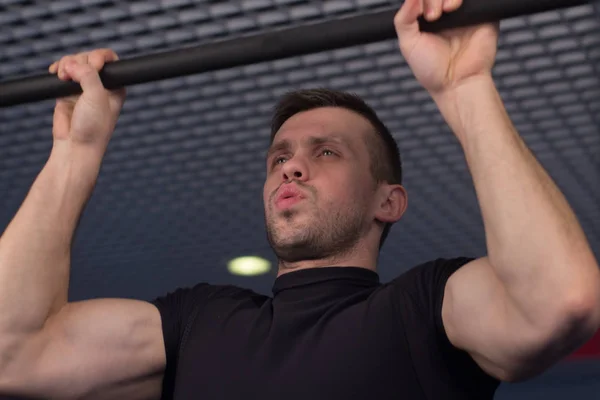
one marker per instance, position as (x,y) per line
(268,46)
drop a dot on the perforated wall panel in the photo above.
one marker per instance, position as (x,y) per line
(180,190)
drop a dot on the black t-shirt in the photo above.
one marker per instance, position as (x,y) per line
(327,333)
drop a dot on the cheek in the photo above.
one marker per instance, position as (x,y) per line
(270,186)
(342,194)
(355,193)
(266,194)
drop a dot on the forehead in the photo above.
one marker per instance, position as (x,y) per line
(346,125)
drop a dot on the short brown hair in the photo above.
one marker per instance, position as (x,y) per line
(386,164)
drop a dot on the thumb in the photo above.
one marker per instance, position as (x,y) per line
(407,23)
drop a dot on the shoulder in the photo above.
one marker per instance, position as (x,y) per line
(419,294)
(431,276)
(182,308)
(420,290)
(187,298)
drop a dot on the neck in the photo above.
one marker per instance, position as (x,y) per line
(354,258)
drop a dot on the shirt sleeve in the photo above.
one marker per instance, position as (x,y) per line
(177,310)
(421,292)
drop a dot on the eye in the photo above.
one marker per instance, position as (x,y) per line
(279,160)
(327,152)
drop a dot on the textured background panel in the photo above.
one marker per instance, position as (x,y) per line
(180,191)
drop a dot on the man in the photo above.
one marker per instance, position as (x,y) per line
(448,329)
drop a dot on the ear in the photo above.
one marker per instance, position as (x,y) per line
(392,203)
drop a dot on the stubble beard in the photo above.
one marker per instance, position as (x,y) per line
(323,235)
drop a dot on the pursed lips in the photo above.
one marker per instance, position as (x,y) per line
(288,196)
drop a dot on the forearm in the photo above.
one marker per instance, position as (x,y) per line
(35,248)
(534,241)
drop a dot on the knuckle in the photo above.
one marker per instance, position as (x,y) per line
(64,59)
(68,60)
(95,60)
(82,57)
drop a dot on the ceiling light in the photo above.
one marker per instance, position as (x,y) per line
(249,266)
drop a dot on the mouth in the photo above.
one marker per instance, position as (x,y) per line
(283,203)
(288,197)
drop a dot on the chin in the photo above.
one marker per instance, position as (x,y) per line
(288,235)
(293,249)
(283,234)
(288,216)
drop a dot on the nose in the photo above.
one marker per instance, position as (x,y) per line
(296,168)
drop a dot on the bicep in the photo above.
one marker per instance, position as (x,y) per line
(480,319)
(96,347)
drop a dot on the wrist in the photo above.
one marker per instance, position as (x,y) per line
(76,166)
(472,107)
(468,86)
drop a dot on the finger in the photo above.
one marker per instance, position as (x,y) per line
(62,74)
(98,58)
(81,58)
(405,21)
(62,118)
(86,76)
(452,5)
(53,67)
(432,9)
(117,98)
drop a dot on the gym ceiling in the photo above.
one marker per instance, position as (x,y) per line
(180,191)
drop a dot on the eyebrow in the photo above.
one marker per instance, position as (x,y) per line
(313,141)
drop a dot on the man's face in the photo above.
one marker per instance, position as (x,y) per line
(319,191)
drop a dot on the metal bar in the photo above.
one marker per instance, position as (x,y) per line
(273,45)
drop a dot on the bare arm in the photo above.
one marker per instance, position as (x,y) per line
(97,349)
(46,343)
(536,297)
(35,248)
